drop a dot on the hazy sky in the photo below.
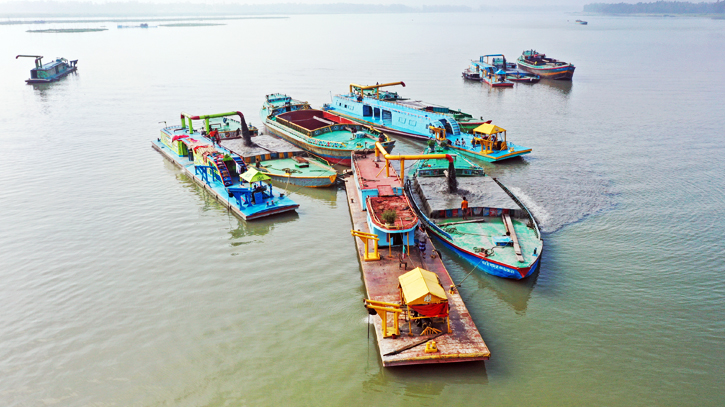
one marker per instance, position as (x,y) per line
(412,3)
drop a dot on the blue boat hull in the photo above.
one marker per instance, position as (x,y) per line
(488,266)
(51,78)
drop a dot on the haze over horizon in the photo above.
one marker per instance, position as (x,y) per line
(409,3)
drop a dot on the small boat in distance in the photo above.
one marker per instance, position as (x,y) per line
(324,134)
(484,71)
(549,68)
(503,67)
(51,71)
(581,22)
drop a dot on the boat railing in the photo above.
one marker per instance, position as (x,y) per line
(393,106)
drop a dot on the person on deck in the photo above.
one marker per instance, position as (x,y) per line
(464,208)
(214,136)
(422,240)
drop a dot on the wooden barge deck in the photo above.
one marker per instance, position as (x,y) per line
(463,344)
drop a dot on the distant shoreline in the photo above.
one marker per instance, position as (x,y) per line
(661,8)
(716,16)
(133,20)
(68,30)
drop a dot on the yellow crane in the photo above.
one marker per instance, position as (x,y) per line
(377,87)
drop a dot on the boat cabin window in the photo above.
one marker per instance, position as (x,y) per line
(376,112)
(367,110)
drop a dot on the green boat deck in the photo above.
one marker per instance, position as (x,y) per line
(472,236)
(279,165)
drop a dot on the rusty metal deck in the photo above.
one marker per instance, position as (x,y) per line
(464,344)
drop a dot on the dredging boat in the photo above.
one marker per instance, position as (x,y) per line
(417,312)
(493,75)
(324,134)
(549,68)
(245,190)
(417,120)
(495,70)
(477,217)
(50,71)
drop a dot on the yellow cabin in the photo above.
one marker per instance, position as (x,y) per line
(422,292)
(490,137)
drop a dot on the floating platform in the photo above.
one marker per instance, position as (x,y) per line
(263,145)
(463,344)
(219,191)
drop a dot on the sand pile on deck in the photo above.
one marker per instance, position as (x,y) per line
(480,192)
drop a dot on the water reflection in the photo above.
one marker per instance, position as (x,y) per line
(564,87)
(238,228)
(258,227)
(326,196)
(41,88)
(515,293)
(424,381)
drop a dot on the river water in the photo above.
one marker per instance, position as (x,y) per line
(123,283)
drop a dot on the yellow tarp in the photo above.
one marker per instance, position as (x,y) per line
(488,128)
(252,175)
(417,284)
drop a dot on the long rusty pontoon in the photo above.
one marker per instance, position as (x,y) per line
(418,320)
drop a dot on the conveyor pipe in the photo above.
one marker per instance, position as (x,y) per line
(379,149)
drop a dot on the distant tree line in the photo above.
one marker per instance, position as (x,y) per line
(659,7)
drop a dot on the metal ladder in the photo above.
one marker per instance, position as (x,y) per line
(454,126)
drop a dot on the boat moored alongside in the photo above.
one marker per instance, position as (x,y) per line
(416,119)
(324,134)
(477,217)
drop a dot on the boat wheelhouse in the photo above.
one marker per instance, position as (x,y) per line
(50,71)
(324,134)
(495,233)
(379,194)
(549,68)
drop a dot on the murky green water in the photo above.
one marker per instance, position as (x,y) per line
(123,283)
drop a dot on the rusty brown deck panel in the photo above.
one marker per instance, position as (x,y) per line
(464,344)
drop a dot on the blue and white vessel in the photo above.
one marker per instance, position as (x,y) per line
(417,119)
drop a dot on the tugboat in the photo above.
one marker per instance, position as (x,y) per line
(476,216)
(549,68)
(51,71)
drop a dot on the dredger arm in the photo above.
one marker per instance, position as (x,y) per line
(38,64)
(379,149)
(376,87)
